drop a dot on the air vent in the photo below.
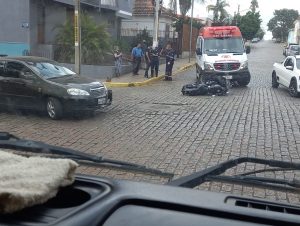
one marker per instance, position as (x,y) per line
(263,206)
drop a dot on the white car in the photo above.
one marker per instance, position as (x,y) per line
(287,74)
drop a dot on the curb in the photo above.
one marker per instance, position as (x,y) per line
(147,82)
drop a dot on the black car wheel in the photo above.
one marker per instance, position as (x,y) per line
(293,88)
(275,83)
(54,108)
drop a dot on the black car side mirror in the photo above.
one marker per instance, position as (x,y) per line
(248,49)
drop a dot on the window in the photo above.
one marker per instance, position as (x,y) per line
(13,69)
(298,63)
(289,62)
(2,63)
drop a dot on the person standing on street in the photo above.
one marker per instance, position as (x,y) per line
(154,56)
(144,48)
(118,61)
(147,61)
(170,58)
(136,54)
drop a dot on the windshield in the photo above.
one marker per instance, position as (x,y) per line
(298,63)
(295,48)
(50,70)
(223,45)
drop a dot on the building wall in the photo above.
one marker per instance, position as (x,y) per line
(297,31)
(186,38)
(146,22)
(14,27)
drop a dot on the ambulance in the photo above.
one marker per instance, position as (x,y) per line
(221,53)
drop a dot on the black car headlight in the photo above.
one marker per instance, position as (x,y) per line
(77,92)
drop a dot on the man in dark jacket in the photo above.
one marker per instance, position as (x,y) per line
(170,58)
(154,56)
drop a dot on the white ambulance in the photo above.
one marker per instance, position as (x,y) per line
(220,52)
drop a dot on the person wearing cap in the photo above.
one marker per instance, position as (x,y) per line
(154,56)
(147,61)
(169,52)
(144,48)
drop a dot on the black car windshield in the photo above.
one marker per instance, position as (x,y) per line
(50,70)
(223,45)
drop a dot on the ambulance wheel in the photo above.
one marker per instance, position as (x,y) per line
(245,81)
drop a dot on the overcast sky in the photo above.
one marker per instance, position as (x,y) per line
(266,8)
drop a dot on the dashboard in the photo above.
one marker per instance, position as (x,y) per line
(102,201)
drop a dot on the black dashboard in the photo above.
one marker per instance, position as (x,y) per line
(101,201)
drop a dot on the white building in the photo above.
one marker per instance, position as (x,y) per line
(143,18)
(297,31)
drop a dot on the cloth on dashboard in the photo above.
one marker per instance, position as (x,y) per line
(30,181)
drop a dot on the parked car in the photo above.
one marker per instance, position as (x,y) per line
(293,50)
(43,84)
(287,74)
(255,40)
(286,47)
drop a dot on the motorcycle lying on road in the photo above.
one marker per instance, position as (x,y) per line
(218,86)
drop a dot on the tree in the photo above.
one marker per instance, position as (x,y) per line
(249,24)
(143,35)
(95,41)
(219,11)
(282,21)
(254,6)
(184,6)
(260,34)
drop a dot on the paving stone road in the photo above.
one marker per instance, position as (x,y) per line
(157,126)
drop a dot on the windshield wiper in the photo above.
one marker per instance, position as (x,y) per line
(213,174)
(276,184)
(10,141)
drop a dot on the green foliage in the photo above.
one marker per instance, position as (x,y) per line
(95,41)
(282,22)
(185,6)
(254,6)
(219,11)
(249,24)
(260,34)
(143,35)
(123,45)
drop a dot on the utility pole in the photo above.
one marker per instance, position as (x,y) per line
(191,32)
(77,38)
(156,22)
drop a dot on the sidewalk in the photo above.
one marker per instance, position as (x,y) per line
(129,80)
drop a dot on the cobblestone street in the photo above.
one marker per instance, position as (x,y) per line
(158,127)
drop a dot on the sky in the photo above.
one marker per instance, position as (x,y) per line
(266,8)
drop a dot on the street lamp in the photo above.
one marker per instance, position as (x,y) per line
(156,21)
(191,31)
(77,37)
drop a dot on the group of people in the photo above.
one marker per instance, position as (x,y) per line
(151,56)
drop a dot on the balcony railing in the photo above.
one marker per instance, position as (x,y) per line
(94,3)
(108,4)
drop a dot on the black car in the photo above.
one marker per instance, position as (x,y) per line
(42,84)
